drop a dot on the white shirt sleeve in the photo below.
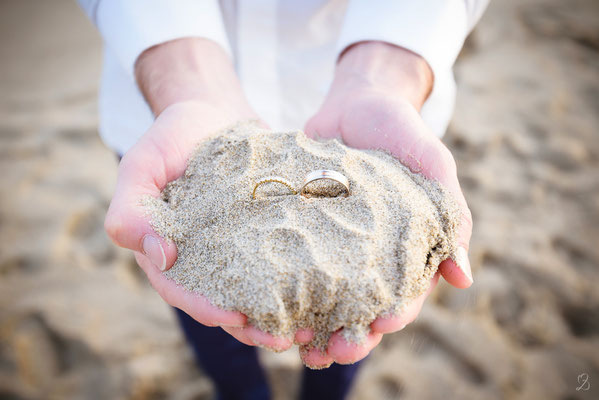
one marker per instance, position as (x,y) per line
(129,27)
(433,29)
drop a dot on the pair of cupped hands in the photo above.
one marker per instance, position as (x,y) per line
(191,86)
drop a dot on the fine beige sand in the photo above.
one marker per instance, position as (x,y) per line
(78,320)
(323,261)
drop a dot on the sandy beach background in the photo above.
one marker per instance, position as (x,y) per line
(79,320)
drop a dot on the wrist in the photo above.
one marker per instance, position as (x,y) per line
(385,68)
(188,70)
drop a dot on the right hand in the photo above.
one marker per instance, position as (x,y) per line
(192,99)
(159,157)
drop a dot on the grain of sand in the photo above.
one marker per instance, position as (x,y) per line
(325,261)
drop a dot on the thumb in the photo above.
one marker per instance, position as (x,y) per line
(429,156)
(142,173)
(457,271)
(441,166)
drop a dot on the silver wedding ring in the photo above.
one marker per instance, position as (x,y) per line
(325,174)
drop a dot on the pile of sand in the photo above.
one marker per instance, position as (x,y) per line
(323,261)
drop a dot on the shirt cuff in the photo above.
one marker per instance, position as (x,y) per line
(132,26)
(433,29)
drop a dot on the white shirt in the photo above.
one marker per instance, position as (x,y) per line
(284,51)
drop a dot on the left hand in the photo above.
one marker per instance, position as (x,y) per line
(374,103)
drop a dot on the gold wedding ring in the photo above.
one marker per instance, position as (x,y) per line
(325,174)
(276,179)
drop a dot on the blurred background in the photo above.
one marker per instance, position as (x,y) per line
(79,320)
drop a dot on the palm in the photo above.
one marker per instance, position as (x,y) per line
(370,119)
(158,158)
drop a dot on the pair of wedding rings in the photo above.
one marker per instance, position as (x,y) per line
(311,177)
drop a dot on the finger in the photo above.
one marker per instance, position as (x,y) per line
(142,173)
(304,336)
(195,305)
(458,273)
(314,358)
(457,270)
(398,322)
(239,334)
(254,337)
(264,339)
(344,352)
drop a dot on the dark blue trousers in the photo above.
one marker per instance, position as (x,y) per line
(237,374)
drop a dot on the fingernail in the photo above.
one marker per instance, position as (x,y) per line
(154,251)
(463,262)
